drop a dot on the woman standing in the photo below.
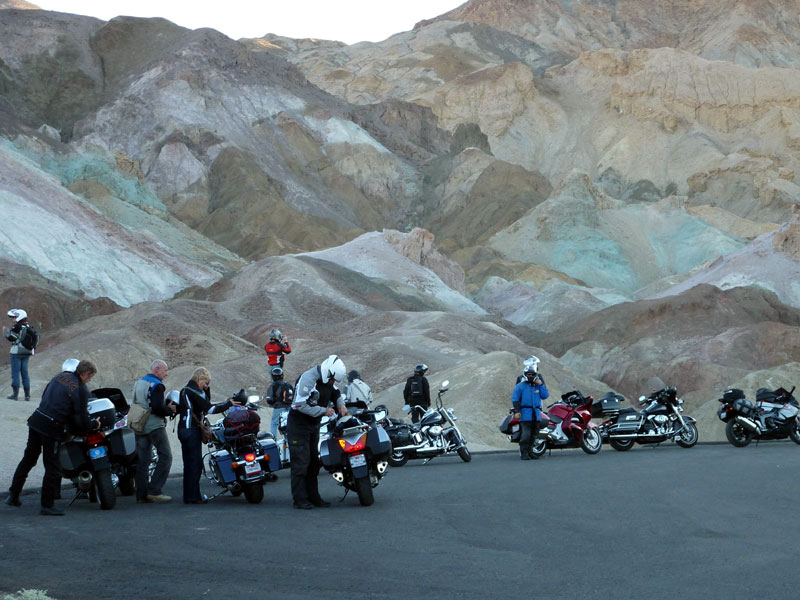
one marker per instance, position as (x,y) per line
(195,404)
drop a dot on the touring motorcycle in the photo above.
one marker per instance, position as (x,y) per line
(774,416)
(568,424)
(241,464)
(356,455)
(104,459)
(435,434)
(660,420)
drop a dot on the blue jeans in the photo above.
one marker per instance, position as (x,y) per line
(144,442)
(19,365)
(276,419)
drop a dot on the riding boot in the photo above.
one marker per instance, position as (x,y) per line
(27,394)
(14,393)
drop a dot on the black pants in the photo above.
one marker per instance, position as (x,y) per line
(304,456)
(192,451)
(417,410)
(48,448)
(529,431)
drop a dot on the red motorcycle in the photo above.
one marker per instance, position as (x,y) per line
(568,424)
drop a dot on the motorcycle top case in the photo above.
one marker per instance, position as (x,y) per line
(270,449)
(116,396)
(607,405)
(105,409)
(732,394)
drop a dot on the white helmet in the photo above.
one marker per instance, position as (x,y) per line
(332,368)
(531,361)
(70,365)
(17,314)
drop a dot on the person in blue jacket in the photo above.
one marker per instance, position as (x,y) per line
(527,400)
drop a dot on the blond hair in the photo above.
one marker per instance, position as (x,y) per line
(201,374)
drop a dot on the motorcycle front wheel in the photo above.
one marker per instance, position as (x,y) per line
(737,435)
(794,432)
(592,441)
(463,452)
(688,436)
(364,491)
(105,489)
(254,492)
(622,444)
(397,459)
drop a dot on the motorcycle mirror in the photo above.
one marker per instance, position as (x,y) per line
(380,415)
(445,383)
(253,399)
(406,408)
(642,398)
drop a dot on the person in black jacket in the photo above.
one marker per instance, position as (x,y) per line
(64,408)
(417,392)
(195,403)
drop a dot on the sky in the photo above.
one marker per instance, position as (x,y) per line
(349,21)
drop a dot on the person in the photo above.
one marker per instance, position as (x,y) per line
(417,392)
(531,360)
(64,408)
(279,396)
(357,392)
(148,392)
(315,395)
(19,354)
(277,348)
(194,405)
(527,401)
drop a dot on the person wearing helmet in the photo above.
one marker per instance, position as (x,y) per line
(527,401)
(277,348)
(279,396)
(358,395)
(20,354)
(417,392)
(531,360)
(64,408)
(316,393)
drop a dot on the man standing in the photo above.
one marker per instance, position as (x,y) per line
(276,348)
(358,394)
(417,392)
(21,350)
(527,401)
(148,393)
(315,396)
(63,408)
(280,395)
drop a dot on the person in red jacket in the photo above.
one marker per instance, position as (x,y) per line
(276,348)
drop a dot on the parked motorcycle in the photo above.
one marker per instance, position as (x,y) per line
(103,459)
(774,416)
(356,455)
(661,420)
(244,463)
(568,424)
(435,434)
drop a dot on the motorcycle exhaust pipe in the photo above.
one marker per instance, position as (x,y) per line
(382,467)
(747,423)
(338,476)
(85,480)
(236,486)
(407,448)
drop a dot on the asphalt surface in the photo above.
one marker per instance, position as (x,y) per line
(655,522)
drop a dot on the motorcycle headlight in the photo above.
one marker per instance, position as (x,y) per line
(436,430)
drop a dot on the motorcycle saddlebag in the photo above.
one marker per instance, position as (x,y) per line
(378,441)
(400,436)
(223,465)
(743,407)
(122,443)
(627,423)
(270,449)
(505,425)
(71,458)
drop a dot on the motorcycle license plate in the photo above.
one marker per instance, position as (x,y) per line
(358,460)
(252,468)
(98,452)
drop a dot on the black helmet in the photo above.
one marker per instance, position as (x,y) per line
(277,373)
(240,396)
(352,375)
(421,369)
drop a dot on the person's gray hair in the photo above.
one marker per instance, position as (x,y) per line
(157,363)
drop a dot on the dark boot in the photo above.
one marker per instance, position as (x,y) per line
(14,393)
(27,394)
(12,500)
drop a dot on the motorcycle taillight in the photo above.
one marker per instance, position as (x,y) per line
(357,447)
(249,457)
(94,438)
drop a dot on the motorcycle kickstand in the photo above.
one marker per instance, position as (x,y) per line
(79,493)
(210,498)
(346,491)
(427,460)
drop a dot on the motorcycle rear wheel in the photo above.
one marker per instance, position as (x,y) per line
(621,444)
(794,433)
(364,491)
(592,441)
(127,485)
(737,435)
(106,493)
(688,436)
(398,459)
(254,492)
(538,449)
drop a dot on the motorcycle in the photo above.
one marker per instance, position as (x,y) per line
(774,416)
(662,419)
(244,463)
(104,459)
(356,455)
(435,434)
(568,424)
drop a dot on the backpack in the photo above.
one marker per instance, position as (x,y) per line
(282,394)
(415,391)
(28,337)
(241,421)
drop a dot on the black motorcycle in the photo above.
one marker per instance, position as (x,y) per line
(356,455)
(774,416)
(661,420)
(435,434)
(102,460)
